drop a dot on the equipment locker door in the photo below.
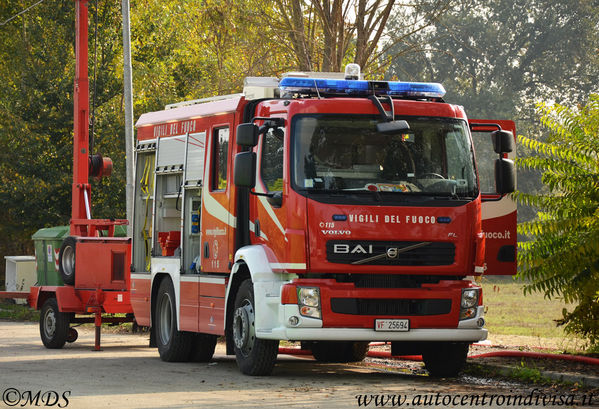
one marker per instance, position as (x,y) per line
(499,215)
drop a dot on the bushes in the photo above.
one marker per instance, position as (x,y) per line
(561,259)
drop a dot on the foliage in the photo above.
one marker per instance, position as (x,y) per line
(323,35)
(499,58)
(36,119)
(496,57)
(181,50)
(562,259)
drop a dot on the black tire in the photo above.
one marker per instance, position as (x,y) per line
(202,347)
(445,359)
(54,325)
(66,260)
(254,356)
(72,335)
(339,351)
(173,345)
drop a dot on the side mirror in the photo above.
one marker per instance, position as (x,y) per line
(245,170)
(247,135)
(503,141)
(276,200)
(505,176)
(392,127)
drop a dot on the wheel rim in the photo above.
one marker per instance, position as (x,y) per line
(49,323)
(68,260)
(243,328)
(165,318)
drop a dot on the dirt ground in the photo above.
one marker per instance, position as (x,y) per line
(128,374)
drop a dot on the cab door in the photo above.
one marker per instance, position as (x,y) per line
(499,214)
(217,219)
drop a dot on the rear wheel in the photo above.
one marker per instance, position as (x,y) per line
(445,359)
(173,345)
(254,356)
(54,325)
(339,351)
(202,347)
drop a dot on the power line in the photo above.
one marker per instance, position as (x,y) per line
(21,12)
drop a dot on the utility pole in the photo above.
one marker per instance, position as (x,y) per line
(128,91)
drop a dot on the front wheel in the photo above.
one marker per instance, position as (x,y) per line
(445,359)
(54,325)
(173,345)
(254,356)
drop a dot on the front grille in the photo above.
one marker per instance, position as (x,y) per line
(391,280)
(356,251)
(383,307)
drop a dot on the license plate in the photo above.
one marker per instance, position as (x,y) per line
(392,325)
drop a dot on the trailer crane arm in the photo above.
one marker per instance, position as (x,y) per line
(85,164)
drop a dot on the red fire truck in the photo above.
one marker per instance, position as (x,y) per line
(329,211)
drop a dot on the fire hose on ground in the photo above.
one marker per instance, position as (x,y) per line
(507,354)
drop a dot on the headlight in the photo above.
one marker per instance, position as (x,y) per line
(469,297)
(308,299)
(309,296)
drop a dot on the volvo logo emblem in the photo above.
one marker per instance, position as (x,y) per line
(392,252)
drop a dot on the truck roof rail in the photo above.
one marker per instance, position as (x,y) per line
(202,100)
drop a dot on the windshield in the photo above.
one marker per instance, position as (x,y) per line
(343,152)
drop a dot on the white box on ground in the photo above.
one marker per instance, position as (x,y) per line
(20,274)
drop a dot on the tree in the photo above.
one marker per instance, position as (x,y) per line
(36,118)
(499,58)
(324,35)
(184,49)
(562,257)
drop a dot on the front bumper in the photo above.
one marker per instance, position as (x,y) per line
(286,322)
(310,329)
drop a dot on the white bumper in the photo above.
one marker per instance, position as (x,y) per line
(363,334)
(310,329)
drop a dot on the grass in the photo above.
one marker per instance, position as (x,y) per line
(510,312)
(18,312)
(523,374)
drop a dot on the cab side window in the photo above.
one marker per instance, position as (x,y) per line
(220,158)
(272,159)
(485,158)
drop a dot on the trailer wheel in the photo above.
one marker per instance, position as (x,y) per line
(445,359)
(254,356)
(339,351)
(66,260)
(54,325)
(173,345)
(202,347)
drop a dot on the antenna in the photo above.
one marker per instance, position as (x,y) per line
(316,86)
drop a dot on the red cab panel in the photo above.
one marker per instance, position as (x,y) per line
(499,216)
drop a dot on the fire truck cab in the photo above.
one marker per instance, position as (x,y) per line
(331,211)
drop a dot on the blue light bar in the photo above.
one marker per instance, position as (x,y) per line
(417,89)
(315,86)
(324,86)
